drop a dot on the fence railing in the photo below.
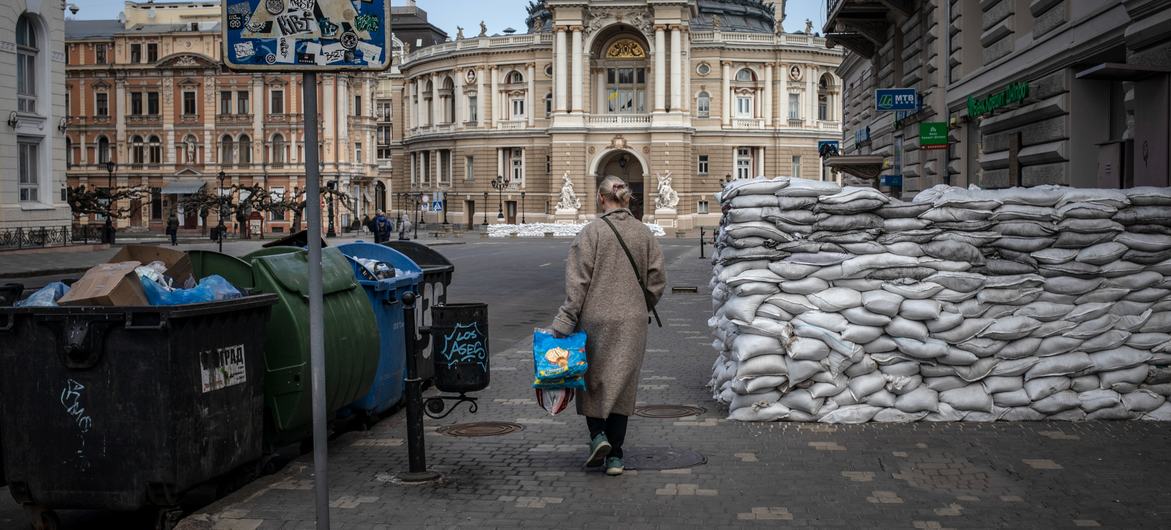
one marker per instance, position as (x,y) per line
(44,237)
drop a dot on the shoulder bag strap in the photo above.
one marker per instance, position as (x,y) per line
(646,295)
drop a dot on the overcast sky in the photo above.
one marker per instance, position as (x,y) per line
(498,14)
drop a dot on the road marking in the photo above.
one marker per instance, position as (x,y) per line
(544,264)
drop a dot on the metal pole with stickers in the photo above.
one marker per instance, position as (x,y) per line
(308,37)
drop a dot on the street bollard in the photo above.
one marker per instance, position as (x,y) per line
(701,242)
(416,444)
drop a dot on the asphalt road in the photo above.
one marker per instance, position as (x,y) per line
(521,280)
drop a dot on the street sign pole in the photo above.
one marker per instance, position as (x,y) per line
(316,303)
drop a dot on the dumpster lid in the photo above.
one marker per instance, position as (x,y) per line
(204,263)
(424,256)
(291,270)
(298,239)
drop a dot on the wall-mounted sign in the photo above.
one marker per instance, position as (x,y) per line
(1013,93)
(827,148)
(893,181)
(862,136)
(316,35)
(892,99)
(933,135)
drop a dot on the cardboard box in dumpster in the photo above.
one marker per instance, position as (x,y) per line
(107,284)
(177,262)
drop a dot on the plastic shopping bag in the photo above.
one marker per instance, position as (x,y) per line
(558,358)
(554,400)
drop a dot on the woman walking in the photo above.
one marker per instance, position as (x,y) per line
(605,298)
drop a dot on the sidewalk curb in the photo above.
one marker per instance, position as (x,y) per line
(45,272)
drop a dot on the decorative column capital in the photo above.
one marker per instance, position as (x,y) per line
(661,27)
(560,28)
(577,28)
(676,27)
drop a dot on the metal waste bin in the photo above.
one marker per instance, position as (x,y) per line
(123,408)
(459,335)
(437,274)
(9,294)
(384,296)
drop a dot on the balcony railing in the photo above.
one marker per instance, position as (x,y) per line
(787,39)
(618,120)
(92,121)
(500,41)
(143,120)
(511,125)
(233,119)
(748,123)
(827,124)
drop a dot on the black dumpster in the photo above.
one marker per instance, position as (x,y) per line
(296,239)
(437,273)
(124,408)
(459,336)
(9,294)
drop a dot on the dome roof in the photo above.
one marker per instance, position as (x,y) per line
(748,16)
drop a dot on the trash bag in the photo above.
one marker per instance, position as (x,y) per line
(558,358)
(555,400)
(210,289)
(46,296)
(371,269)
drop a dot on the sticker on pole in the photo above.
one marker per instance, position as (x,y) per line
(306,35)
(222,367)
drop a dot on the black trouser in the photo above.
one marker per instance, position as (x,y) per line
(614,428)
(174,237)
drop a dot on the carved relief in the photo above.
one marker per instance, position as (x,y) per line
(626,49)
(601,17)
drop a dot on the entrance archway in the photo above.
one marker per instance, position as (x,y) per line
(626,165)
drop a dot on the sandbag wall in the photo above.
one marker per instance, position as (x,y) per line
(843,305)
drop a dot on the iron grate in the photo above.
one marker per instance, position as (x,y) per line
(485,428)
(668,411)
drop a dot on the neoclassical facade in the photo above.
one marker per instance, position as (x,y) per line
(700,90)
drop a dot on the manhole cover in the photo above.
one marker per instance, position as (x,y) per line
(667,411)
(486,428)
(656,458)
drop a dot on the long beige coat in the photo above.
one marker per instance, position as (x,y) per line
(602,297)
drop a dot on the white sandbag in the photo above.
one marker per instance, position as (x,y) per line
(1104,294)
(1142,401)
(889,415)
(1110,340)
(900,327)
(803,401)
(1000,383)
(791,303)
(969,398)
(800,371)
(919,310)
(880,345)
(1011,212)
(804,286)
(1085,312)
(1071,285)
(1021,414)
(1058,402)
(1124,308)
(864,366)
(746,347)
(882,302)
(1104,253)
(851,414)
(806,349)
(860,316)
(1147,341)
(863,386)
(1136,281)
(1056,256)
(862,334)
(944,322)
(1163,413)
(1054,328)
(1085,383)
(946,413)
(1092,328)
(897,366)
(743,307)
(921,399)
(792,271)
(822,390)
(754,288)
(943,384)
(1097,399)
(996,311)
(1010,328)
(1119,358)
(955,357)
(807,188)
(762,365)
(1020,348)
(1158,323)
(1060,365)
(1008,296)
(912,291)
(756,412)
(1069,415)
(1144,242)
(836,299)
(765,383)
(829,321)
(747,400)
(1012,398)
(967,329)
(982,347)
(1043,387)
(769,311)
(760,186)
(1057,345)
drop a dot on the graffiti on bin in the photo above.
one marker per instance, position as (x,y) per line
(71,400)
(221,368)
(465,345)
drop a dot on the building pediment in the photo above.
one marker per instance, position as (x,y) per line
(187,60)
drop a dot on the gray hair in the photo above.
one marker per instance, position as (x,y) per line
(615,190)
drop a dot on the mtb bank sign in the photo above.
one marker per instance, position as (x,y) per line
(896,99)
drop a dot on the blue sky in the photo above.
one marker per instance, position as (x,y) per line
(498,14)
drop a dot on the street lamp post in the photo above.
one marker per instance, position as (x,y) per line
(220,228)
(418,206)
(485,208)
(330,232)
(108,230)
(522,207)
(499,184)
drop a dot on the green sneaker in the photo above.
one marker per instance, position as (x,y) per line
(599,448)
(614,466)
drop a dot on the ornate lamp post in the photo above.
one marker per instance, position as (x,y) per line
(485,208)
(108,230)
(330,232)
(220,228)
(418,207)
(499,184)
(522,207)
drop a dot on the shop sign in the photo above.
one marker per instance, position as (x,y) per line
(892,99)
(892,181)
(1013,93)
(933,135)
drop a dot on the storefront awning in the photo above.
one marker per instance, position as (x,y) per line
(1121,72)
(182,188)
(864,166)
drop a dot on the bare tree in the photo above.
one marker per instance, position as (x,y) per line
(116,203)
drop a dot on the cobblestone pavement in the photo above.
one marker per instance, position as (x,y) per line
(927,476)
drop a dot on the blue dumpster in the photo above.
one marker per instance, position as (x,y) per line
(385,296)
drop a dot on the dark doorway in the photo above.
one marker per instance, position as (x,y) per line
(627,167)
(470,214)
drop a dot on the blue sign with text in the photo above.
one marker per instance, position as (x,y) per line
(892,99)
(894,181)
(306,35)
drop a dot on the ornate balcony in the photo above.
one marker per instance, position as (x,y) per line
(748,123)
(606,121)
(233,119)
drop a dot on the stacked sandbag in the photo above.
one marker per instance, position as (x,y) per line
(843,305)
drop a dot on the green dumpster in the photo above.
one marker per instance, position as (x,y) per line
(351,340)
(204,263)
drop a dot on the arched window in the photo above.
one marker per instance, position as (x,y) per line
(746,74)
(103,150)
(245,148)
(703,105)
(156,150)
(26,64)
(823,96)
(429,103)
(278,150)
(137,150)
(448,94)
(226,150)
(514,77)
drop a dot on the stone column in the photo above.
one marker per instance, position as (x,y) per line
(602,105)
(660,69)
(726,95)
(530,94)
(460,113)
(811,96)
(257,108)
(783,103)
(481,117)
(560,70)
(676,68)
(436,106)
(120,107)
(499,161)
(419,102)
(578,74)
(493,72)
(768,95)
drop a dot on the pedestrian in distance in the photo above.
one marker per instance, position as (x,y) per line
(382,228)
(613,278)
(173,227)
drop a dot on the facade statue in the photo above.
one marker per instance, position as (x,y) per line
(569,200)
(459,33)
(716,23)
(808,27)
(483,29)
(666,198)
